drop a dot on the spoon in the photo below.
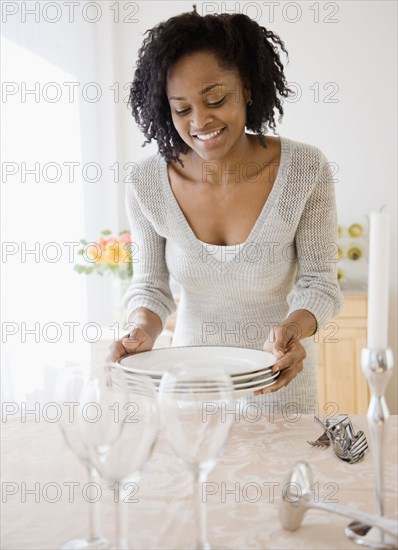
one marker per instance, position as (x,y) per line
(293,507)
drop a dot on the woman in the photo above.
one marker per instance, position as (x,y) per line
(245,223)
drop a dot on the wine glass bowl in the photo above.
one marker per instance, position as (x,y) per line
(197,411)
(102,410)
(134,411)
(68,390)
(121,441)
(190,405)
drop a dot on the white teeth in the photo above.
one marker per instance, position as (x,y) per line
(205,137)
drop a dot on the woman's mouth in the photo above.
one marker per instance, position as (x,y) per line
(210,137)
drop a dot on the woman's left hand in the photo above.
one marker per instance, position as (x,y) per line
(290,355)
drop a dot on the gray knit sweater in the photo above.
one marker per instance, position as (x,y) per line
(287,263)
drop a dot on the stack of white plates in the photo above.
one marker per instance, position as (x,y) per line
(250,370)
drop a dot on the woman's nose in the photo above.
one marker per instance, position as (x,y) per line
(200,116)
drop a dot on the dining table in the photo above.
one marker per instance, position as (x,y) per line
(45,496)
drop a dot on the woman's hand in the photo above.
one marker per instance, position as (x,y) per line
(138,340)
(145,328)
(290,355)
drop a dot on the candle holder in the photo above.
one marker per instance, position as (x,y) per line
(377,366)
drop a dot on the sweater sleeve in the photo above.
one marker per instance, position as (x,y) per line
(149,287)
(316,288)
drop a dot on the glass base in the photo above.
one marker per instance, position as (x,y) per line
(369,537)
(86,544)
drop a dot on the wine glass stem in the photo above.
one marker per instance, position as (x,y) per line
(200,511)
(120,519)
(93,507)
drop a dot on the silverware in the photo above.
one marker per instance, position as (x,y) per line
(322,441)
(353,448)
(293,507)
(347,445)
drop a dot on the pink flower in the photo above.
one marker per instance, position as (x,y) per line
(125,238)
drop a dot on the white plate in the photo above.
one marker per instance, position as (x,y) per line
(251,375)
(208,386)
(261,386)
(234,361)
(235,378)
(255,380)
(207,394)
(240,379)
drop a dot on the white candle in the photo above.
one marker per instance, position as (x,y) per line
(379,251)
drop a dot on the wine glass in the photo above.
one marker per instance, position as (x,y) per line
(122,439)
(195,404)
(69,386)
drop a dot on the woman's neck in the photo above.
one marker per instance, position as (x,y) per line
(229,169)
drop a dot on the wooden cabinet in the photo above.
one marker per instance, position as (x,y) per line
(340,378)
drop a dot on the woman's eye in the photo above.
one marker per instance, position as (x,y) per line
(215,104)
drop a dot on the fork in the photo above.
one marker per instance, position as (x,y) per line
(355,452)
(350,457)
(322,441)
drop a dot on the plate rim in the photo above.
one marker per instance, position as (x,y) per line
(160,374)
(239,377)
(245,384)
(243,390)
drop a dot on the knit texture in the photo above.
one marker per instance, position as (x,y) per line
(287,263)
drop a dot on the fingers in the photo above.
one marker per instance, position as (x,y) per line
(268,346)
(282,338)
(288,360)
(293,355)
(285,377)
(286,348)
(116,352)
(289,364)
(138,340)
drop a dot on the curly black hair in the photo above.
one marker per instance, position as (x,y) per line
(237,42)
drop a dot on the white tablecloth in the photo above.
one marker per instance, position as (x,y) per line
(242,512)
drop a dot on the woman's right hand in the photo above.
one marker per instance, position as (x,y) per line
(136,341)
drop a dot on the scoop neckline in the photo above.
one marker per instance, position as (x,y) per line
(268,205)
(223,245)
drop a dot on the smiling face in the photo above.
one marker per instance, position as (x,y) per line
(208,105)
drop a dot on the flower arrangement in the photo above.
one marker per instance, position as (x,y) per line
(110,255)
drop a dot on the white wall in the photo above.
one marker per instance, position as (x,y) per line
(355,59)
(38,293)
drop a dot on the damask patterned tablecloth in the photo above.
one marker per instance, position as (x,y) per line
(41,511)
